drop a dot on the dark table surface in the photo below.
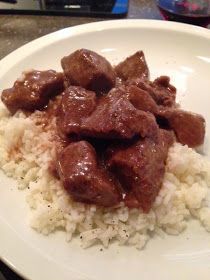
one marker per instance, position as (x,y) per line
(17,30)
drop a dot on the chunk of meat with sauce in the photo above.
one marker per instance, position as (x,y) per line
(114,117)
(131,201)
(140,167)
(134,66)
(83,178)
(88,69)
(164,93)
(33,91)
(77,103)
(160,90)
(188,127)
(141,99)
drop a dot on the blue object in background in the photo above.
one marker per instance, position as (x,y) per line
(107,8)
(120,7)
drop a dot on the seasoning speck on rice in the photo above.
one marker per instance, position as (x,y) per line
(185,191)
(104,153)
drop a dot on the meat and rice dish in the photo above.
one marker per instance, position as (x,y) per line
(106,154)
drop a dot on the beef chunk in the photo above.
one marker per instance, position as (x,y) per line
(77,103)
(83,178)
(134,66)
(140,167)
(164,93)
(131,201)
(160,90)
(33,90)
(188,127)
(88,69)
(116,117)
(141,99)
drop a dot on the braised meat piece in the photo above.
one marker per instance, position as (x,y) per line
(116,117)
(88,69)
(188,127)
(160,90)
(164,93)
(113,116)
(140,167)
(113,126)
(134,66)
(141,99)
(33,90)
(83,178)
(77,103)
(130,200)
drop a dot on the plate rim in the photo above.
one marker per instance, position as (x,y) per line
(99,26)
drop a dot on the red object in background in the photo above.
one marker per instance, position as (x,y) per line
(196,20)
(187,11)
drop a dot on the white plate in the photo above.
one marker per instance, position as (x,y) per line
(178,50)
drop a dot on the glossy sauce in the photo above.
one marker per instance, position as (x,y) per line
(111,145)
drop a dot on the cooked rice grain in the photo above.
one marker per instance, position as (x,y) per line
(26,151)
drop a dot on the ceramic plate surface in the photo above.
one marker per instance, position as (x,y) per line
(177,50)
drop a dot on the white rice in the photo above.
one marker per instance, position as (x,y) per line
(25,153)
